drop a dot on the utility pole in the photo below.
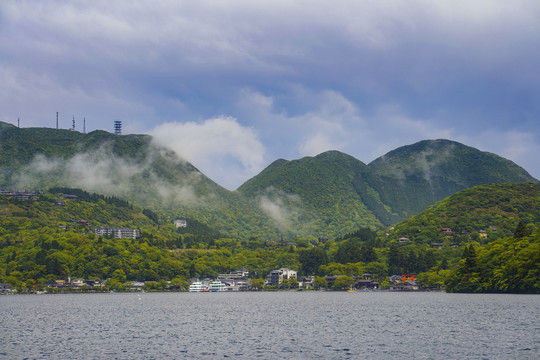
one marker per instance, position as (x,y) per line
(84,126)
(19,123)
(57,120)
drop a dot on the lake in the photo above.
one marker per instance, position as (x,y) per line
(270,325)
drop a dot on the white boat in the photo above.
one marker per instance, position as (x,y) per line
(217,286)
(197,286)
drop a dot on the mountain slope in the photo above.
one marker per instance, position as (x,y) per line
(314,192)
(327,195)
(128,166)
(413,177)
(494,208)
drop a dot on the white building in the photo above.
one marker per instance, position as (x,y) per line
(118,233)
(276,277)
(180,223)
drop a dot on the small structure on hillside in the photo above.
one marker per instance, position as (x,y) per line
(118,233)
(180,223)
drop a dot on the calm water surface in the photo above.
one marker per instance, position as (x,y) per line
(281,325)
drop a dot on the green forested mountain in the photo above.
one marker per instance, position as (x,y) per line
(322,192)
(412,177)
(131,167)
(323,196)
(336,188)
(481,213)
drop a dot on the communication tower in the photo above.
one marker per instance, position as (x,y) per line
(57,120)
(118,127)
(84,125)
(73,127)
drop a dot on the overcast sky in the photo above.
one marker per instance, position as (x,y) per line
(234,85)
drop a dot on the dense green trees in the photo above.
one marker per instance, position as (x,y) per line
(41,241)
(312,259)
(505,265)
(343,283)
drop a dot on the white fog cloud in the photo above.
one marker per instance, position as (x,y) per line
(220,147)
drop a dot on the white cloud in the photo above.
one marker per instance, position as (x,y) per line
(311,75)
(220,147)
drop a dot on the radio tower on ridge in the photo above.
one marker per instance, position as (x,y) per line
(118,127)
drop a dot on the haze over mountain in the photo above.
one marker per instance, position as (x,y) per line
(326,195)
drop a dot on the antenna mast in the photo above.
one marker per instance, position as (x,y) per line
(19,123)
(73,127)
(84,126)
(57,120)
(118,127)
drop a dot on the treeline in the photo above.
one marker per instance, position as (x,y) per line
(34,249)
(508,265)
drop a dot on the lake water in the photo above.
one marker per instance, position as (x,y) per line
(264,325)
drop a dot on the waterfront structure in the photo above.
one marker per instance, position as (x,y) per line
(275,278)
(217,286)
(197,286)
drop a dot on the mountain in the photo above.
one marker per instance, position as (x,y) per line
(132,167)
(482,213)
(323,196)
(337,189)
(413,177)
(325,192)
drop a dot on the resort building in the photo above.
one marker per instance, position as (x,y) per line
(118,233)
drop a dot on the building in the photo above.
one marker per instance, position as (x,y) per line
(5,288)
(118,233)
(180,223)
(275,278)
(20,195)
(447,231)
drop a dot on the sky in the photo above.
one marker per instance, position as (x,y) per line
(232,86)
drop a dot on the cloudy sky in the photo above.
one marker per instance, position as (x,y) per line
(233,85)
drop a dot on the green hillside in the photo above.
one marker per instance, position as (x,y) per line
(413,177)
(495,209)
(323,196)
(52,238)
(131,167)
(318,193)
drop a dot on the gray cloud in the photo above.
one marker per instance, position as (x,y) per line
(305,76)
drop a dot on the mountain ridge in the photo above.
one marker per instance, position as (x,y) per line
(325,195)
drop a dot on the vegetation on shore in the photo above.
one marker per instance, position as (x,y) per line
(42,240)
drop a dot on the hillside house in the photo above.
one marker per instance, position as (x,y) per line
(180,223)
(447,231)
(118,233)
(20,195)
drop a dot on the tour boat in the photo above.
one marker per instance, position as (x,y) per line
(217,286)
(197,286)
